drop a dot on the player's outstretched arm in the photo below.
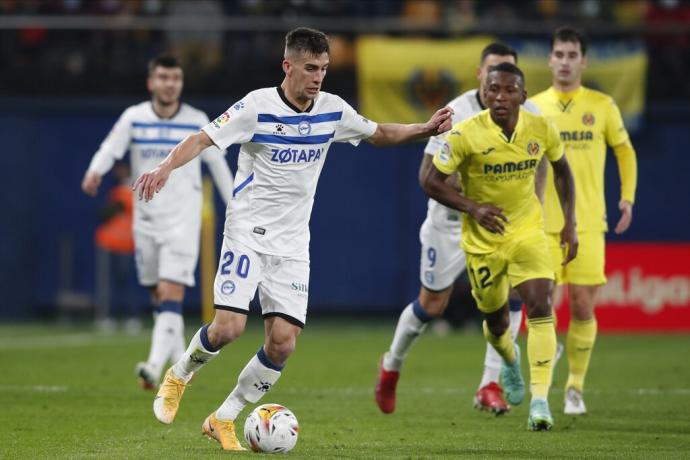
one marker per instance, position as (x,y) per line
(153,181)
(436,186)
(396,133)
(565,186)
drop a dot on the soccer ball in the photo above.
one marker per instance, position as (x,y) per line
(271,428)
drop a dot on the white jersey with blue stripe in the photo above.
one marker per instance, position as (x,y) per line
(280,160)
(464,106)
(149,139)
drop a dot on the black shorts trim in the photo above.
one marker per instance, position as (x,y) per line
(287,318)
(233,309)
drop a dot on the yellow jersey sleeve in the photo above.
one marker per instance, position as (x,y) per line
(451,153)
(615,131)
(554,147)
(627,169)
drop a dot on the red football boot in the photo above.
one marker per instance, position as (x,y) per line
(385,389)
(490,398)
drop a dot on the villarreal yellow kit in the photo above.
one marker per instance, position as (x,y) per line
(500,171)
(588,121)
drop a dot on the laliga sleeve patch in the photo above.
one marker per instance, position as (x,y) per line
(443,154)
(221,120)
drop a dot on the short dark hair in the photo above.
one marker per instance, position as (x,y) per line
(509,68)
(163,60)
(306,40)
(570,34)
(499,49)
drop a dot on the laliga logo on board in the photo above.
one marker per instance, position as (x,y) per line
(304,127)
(533,148)
(588,119)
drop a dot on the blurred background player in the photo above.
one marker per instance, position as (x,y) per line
(497,153)
(114,258)
(285,133)
(589,121)
(443,261)
(166,232)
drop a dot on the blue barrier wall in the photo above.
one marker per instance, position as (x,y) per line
(365,223)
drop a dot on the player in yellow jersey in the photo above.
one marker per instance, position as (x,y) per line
(496,153)
(588,121)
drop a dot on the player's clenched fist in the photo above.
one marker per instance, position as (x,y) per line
(151,182)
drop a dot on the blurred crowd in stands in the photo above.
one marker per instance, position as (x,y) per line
(63,59)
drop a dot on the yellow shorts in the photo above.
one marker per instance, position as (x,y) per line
(588,267)
(512,263)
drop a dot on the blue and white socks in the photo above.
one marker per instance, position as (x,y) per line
(413,320)
(166,337)
(255,380)
(199,352)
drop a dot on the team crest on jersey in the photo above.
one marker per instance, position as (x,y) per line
(227,288)
(533,148)
(304,127)
(588,119)
(221,120)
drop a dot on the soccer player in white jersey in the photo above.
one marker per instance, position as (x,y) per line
(166,232)
(285,133)
(443,261)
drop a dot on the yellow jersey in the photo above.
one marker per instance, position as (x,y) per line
(588,120)
(500,171)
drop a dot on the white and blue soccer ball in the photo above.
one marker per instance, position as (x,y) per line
(271,428)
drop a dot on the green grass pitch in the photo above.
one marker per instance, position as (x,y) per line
(70,393)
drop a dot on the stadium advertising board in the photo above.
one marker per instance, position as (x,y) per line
(648,289)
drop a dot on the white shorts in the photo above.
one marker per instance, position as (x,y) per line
(442,260)
(283,283)
(172,257)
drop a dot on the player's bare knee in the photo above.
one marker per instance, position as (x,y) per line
(168,291)
(279,348)
(434,303)
(538,308)
(581,309)
(223,331)
(280,343)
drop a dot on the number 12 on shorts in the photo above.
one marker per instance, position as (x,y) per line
(481,278)
(242,268)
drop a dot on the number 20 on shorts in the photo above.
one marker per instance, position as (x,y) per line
(242,267)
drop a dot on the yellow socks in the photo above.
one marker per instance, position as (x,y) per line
(579,344)
(503,344)
(541,351)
